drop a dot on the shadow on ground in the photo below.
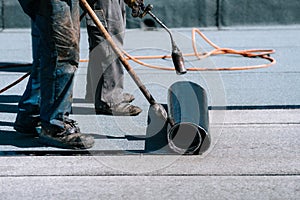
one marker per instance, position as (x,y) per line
(15,67)
(5,106)
(16,139)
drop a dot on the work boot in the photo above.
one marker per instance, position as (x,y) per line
(121,109)
(127,98)
(27,124)
(68,137)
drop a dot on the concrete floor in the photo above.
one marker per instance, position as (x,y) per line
(254,152)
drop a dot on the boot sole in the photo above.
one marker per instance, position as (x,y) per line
(101,112)
(49,141)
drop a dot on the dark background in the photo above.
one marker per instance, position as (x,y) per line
(191,13)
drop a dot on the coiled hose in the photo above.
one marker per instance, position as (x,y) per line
(250,53)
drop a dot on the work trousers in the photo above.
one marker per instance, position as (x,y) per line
(55,37)
(105,77)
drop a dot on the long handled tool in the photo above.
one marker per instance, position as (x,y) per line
(158,108)
(177,137)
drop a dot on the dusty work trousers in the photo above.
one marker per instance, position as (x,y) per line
(30,100)
(105,75)
(55,37)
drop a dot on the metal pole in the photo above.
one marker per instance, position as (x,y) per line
(177,56)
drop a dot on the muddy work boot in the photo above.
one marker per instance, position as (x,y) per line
(127,98)
(121,109)
(26,123)
(68,137)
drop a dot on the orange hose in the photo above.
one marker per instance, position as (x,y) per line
(250,53)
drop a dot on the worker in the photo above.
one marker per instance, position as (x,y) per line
(47,99)
(105,76)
